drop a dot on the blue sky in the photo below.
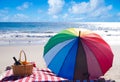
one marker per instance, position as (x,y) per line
(59,10)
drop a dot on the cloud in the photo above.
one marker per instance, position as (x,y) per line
(24,6)
(39,11)
(80,8)
(93,8)
(101,11)
(55,6)
(65,15)
(118,14)
(55,16)
(4,14)
(4,18)
(94,4)
(19,17)
(3,11)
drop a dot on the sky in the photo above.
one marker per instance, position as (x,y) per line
(59,10)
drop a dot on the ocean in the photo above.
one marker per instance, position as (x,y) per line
(29,33)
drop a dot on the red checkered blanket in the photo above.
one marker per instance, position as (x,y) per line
(38,75)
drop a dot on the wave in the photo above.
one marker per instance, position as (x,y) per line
(26,35)
(35,33)
(25,38)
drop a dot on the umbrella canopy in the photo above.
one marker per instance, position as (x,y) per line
(78,54)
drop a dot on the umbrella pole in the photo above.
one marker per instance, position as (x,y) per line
(81,69)
(79,33)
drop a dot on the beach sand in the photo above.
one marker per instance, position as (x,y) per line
(114,72)
(35,54)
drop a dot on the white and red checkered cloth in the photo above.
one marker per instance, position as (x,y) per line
(38,75)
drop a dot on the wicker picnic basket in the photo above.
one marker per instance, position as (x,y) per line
(24,69)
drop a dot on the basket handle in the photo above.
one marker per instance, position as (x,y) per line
(22,51)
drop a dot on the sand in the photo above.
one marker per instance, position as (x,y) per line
(114,72)
(35,54)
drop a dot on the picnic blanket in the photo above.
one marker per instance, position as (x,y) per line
(44,74)
(39,75)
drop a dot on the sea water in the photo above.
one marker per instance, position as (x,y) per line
(28,33)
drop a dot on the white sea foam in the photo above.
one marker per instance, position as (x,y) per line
(109,31)
(24,38)
(111,37)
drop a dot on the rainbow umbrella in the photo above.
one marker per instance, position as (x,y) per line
(78,54)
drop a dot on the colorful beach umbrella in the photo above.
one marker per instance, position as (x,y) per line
(78,54)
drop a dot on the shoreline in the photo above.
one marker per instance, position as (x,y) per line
(25,41)
(111,40)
